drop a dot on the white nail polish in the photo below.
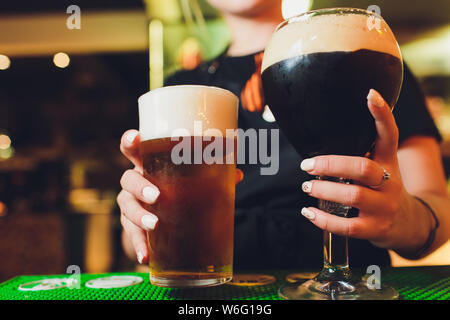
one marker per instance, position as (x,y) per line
(148,222)
(375,98)
(140,257)
(308,213)
(131,136)
(150,194)
(307,186)
(307,164)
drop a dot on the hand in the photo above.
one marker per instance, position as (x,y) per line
(380,219)
(252,95)
(136,190)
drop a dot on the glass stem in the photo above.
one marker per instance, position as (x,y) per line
(335,257)
(335,247)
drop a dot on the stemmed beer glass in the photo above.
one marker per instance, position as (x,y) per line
(317,71)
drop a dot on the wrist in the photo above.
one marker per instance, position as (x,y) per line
(419,232)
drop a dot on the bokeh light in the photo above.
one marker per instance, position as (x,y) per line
(61,59)
(5,154)
(3,209)
(5,141)
(290,8)
(4,62)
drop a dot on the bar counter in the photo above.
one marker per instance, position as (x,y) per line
(413,283)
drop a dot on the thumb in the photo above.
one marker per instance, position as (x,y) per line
(386,143)
(129,146)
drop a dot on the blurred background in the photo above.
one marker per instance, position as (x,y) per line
(67,95)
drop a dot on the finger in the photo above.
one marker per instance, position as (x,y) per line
(132,209)
(129,146)
(352,195)
(138,238)
(363,170)
(348,227)
(387,131)
(260,90)
(239,176)
(246,99)
(133,182)
(255,91)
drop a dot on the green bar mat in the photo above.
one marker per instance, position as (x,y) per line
(418,283)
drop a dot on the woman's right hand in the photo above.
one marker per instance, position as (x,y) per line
(136,191)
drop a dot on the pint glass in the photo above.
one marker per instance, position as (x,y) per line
(188,147)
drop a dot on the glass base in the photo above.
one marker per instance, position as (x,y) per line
(335,290)
(300,276)
(188,283)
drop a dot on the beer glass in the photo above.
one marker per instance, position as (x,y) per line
(317,71)
(188,147)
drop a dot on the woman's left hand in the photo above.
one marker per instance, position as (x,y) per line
(381,208)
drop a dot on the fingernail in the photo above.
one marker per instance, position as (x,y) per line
(140,257)
(131,136)
(307,164)
(308,213)
(150,194)
(307,186)
(149,221)
(375,98)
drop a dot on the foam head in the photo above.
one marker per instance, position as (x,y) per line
(335,30)
(178,110)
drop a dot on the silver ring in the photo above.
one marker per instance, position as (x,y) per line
(386,176)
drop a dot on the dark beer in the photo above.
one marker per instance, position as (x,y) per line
(194,236)
(188,149)
(317,71)
(319,99)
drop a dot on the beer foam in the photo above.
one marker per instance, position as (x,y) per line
(180,110)
(327,33)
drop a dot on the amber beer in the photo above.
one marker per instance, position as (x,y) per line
(192,244)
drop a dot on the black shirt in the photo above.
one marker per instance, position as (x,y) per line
(270,232)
